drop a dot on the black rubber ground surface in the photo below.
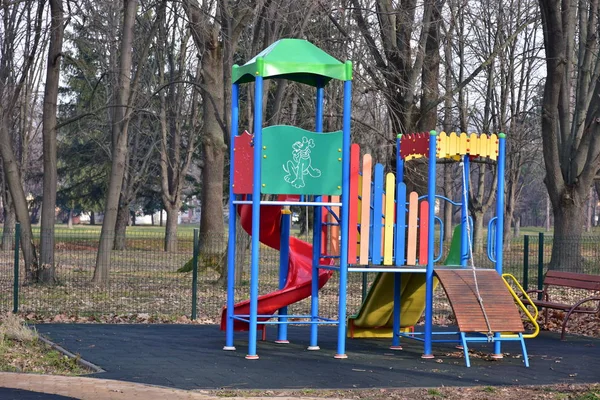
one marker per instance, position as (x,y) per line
(191,357)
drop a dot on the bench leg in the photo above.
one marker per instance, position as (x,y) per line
(564,324)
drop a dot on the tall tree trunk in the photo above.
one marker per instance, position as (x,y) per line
(13,180)
(92,218)
(46,273)
(10,221)
(566,249)
(120,242)
(171,230)
(119,156)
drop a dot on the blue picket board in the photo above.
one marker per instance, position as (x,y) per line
(377,215)
(400,237)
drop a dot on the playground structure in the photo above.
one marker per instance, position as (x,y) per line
(381,227)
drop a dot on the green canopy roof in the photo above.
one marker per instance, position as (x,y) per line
(294,59)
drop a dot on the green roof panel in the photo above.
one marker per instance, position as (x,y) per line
(294,59)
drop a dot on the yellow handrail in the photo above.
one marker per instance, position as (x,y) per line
(533,319)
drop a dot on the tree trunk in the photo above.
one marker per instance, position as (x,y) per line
(477,232)
(49,143)
(171,231)
(566,248)
(92,218)
(211,222)
(12,176)
(10,220)
(119,156)
(120,242)
(70,219)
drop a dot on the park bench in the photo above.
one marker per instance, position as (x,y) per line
(569,280)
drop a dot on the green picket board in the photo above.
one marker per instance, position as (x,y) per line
(297,161)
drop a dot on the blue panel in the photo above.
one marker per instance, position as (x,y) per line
(400,238)
(377,214)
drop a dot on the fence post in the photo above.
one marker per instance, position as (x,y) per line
(540,277)
(16,270)
(365,283)
(526,262)
(195,276)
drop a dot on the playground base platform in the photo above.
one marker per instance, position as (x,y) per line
(190,357)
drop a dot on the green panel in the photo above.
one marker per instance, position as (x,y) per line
(294,59)
(296,161)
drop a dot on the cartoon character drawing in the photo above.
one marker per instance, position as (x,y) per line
(301,164)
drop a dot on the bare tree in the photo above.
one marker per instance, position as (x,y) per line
(49,141)
(15,66)
(570,126)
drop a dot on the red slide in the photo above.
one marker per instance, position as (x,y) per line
(299,278)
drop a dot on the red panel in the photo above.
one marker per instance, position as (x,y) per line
(423,232)
(414,143)
(353,221)
(243,163)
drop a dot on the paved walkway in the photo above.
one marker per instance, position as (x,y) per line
(180,357)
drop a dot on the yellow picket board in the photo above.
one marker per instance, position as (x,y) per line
(388,237)
(382,222)
(452,141)
(485,145)
(474,145)
(494,146)
(463,144)
(411,233)
(367,170)
(442,145)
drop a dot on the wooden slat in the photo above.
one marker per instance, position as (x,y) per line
(353,216)
(388,247)
(502,313)
(411,234)
(377,215)
(423,232)
(365,218)
(573,280)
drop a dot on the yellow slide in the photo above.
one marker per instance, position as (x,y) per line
(375,318)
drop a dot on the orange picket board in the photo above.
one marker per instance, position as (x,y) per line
(411,234)
(423,231)
(334,232)
(324,228)
(353,217)
(365,218)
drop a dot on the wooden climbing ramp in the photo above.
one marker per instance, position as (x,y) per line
(502,313)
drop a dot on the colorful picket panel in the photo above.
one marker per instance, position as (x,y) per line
(365,213)
(453,145)
(376,239)
(388,236)
(353,216)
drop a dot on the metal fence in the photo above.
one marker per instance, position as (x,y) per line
(144,279)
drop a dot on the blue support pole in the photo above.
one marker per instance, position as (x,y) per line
(284,260)
(232,219)
(464,214)
(258,100)
(430,253)
(341,347)
(398,244)
(317,225)
(500,223)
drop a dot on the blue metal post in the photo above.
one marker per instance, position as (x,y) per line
(256,181)
(232,219)
(429,271)
(284,259)
(398,245)
(317,225)
(464,213)
(500,220)
(341,347)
